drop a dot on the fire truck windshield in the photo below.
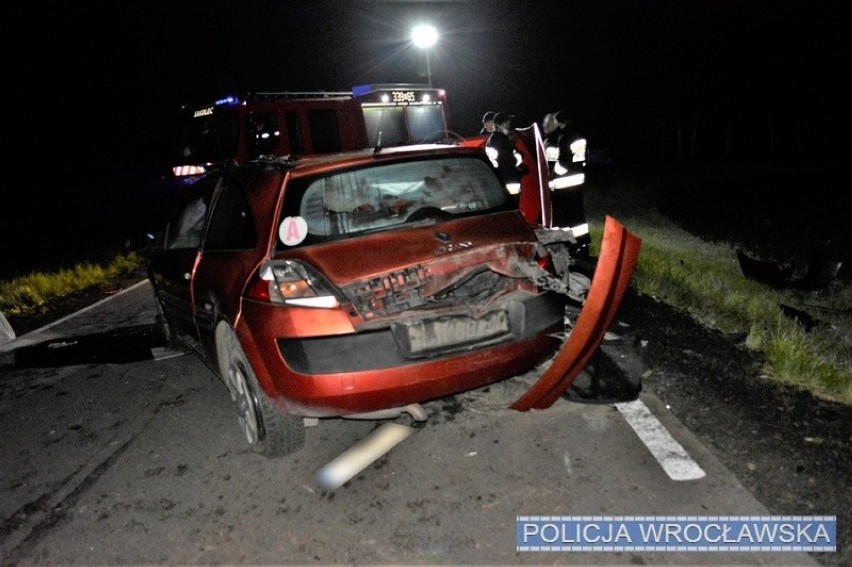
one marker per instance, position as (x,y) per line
(404,124)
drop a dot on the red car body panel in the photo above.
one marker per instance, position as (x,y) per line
(345,261)
(440,255)
(361,392)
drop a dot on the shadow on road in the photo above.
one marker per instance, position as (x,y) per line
(117,346)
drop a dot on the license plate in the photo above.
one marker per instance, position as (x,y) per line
(447,332)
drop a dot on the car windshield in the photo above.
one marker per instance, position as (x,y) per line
(383,196)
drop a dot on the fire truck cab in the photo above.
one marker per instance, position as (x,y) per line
(305,123)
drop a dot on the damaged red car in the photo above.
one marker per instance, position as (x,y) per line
(354,285)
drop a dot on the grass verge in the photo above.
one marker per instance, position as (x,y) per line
(33,293)
(704,279)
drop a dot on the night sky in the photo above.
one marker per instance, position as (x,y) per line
(95,85)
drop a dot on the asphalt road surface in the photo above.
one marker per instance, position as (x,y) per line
(110,456)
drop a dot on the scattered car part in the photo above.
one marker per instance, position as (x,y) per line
(614,373)
(765,271)
(804,319)
(617,260)
(358,457)
(416,411)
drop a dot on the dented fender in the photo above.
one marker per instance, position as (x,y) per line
(614,270)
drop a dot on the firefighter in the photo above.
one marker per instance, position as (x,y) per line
(567,184)
(570,164)
(487,123)
(550,131)
(500,148)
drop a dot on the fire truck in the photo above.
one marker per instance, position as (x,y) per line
(304,123)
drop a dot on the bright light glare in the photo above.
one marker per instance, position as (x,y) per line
(424,36)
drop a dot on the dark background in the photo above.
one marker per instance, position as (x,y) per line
(93,87)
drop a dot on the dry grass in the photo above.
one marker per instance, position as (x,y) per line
(33,293)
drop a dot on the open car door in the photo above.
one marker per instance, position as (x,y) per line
(534,198)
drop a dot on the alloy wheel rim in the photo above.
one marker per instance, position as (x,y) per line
(247,414)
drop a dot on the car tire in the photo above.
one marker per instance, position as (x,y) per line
(613,375)
(268,431)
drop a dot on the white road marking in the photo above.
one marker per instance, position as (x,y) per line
(26,338)
(362,454)
(669,453)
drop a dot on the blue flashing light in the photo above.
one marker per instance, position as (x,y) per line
(226,101)
(361,90)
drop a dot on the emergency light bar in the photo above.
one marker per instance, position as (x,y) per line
(361,90)
(398,95)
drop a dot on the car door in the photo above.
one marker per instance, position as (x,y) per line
(172,269)
(534,199)
(229,254)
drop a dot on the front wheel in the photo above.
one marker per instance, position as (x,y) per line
(269,431)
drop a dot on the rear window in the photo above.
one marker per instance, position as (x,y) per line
(384,196)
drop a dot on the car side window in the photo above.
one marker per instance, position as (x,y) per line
(186,228)
(231,224)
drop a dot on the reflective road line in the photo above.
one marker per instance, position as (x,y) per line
(669,453)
